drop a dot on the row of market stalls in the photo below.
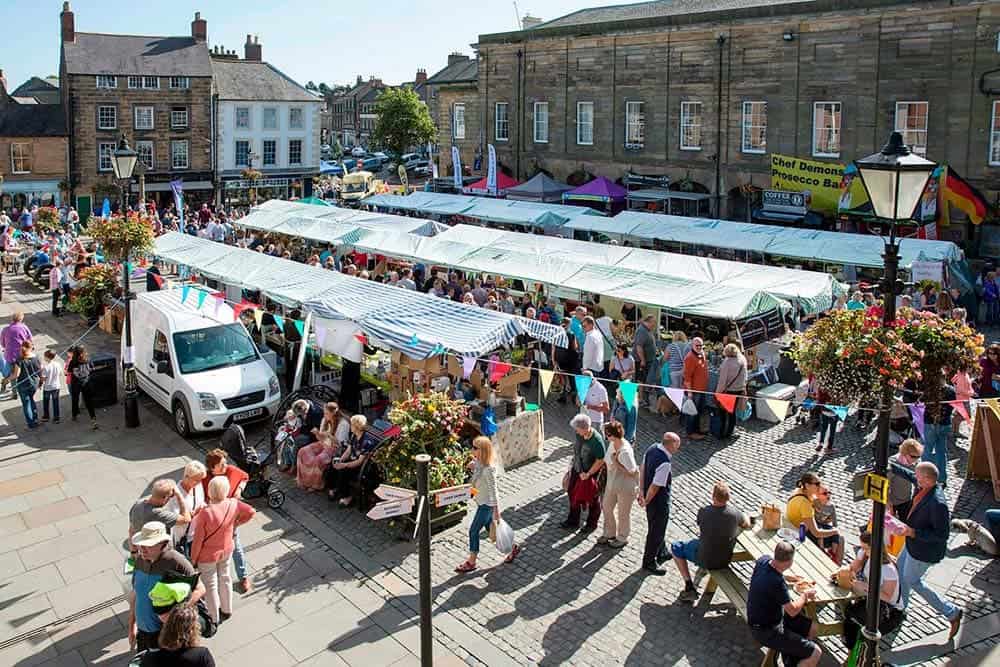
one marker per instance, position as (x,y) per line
(851,255)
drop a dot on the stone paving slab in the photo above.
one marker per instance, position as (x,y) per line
(19,486)
(54,512)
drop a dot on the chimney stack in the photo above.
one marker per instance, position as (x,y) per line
(456,57)
(360,80)
(421,77)
(529,22)
(252,50)
(199,28)
(67,24)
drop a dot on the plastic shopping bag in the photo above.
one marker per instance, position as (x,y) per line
(505,537)
(689,408)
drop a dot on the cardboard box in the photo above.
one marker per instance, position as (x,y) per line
(454,366)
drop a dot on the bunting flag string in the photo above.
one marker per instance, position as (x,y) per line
(583,383)
(961,408)
(279,321)
(185,291)
(778,407)
(839,410)
(300,326)
(414,341)
(630,392)
(201,298)
(545,377)
(917,412)
(468,364)
(727,401)
(675,395)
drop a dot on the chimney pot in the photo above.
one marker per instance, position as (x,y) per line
(252,50)
(199,28)
(67,24)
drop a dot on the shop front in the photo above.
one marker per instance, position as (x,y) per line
(29,193)
(196,188)
(243,192)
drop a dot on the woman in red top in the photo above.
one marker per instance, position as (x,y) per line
(212,545)
(215,462)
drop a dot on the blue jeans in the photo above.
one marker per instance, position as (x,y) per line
(936,448)
(50,396)
(29,407)
(482,519)
(239,558)
(694,421)
(911,577)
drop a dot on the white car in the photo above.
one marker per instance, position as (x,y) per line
(199,363)
(358,151)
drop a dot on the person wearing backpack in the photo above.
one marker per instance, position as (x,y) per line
(179,638)
(27,372)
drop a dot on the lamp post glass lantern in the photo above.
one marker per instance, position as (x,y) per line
(894,179)
(123,161)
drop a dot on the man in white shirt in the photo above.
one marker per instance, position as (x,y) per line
(595,403)
(593,347)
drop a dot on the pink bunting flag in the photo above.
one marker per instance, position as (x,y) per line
(727,401)
(917,412)
(468,365)
(675,395)
(498,370)
(962,410)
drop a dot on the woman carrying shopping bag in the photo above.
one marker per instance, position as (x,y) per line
(484,485)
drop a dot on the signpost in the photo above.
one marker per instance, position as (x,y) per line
(386,492)
(391,508)
(452,495)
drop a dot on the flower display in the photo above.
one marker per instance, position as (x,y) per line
(852,355)
(96,282)
(429,424)
(47,219)
(123,237)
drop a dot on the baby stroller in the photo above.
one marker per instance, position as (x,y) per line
(900,423)
(234,442)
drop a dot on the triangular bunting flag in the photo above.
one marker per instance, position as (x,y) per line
(202,295)
(361,338)
(498,370)
(630,391)
(960,407)
(237,309)
(917,412)
(583,383)
(727,401)
(546,379)
(438,349)
(994,405)
(839,410)
(675,395)
(414,340)
(280,322)
(258,316)
(778,407)
(157,279)
(300,326)
(468,364)
(185,290)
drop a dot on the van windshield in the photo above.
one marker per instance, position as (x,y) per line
(212,348)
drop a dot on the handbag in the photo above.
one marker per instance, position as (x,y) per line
(770,515)
(584,491)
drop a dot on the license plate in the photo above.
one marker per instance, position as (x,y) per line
(248,414)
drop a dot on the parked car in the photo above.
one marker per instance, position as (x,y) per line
(382,157)
(358,151)
(326,151)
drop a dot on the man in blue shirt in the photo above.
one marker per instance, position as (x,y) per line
(777,621)
(25,220)
(157,561)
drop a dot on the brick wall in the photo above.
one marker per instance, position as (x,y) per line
(865,60)
(84,98)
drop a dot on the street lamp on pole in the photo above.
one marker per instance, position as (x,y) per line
(123,161)
(894,179)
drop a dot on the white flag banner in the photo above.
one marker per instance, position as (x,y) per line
(341,337)
(433,161)
(491,170)
(456,163)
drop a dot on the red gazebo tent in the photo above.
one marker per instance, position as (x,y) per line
(503,183)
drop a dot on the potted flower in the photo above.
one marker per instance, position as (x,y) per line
(96,284)
(47,220)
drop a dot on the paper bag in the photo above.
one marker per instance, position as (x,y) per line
(770,516)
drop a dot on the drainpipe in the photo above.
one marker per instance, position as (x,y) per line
(520,114)
(721,41)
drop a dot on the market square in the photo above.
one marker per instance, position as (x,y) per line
(509,363)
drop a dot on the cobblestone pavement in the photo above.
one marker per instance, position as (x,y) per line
(569,601)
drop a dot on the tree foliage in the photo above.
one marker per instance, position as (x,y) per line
(402,121)
(311,86)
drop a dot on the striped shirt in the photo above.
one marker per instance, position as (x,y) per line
(484,480)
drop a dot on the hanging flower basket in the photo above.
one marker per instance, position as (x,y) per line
(123,237)
(251,175)
(47,219)
(852,356)
(95,285)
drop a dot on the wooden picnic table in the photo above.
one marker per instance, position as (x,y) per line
(811,563)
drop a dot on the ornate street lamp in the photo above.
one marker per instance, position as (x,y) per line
(894,179)
(123,161)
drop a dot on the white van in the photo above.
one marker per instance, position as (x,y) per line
(200,364)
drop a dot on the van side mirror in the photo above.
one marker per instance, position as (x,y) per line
(163,366)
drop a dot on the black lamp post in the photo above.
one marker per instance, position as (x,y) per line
(894,179)
(123,161)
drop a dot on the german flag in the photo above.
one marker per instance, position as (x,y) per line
(960,194)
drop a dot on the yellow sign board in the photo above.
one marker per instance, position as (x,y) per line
(877,488)
(822,180)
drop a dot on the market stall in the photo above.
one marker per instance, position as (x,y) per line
(600,193)
(540,189)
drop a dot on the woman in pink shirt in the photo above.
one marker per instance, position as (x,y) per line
(212,545)
(963,392)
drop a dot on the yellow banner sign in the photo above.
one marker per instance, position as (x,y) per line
(877,488)
(820,179)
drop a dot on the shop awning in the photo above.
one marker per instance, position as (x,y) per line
(412,322)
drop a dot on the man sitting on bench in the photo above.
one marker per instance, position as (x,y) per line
(776,621)
(720,525)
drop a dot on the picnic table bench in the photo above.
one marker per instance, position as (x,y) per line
(811,563)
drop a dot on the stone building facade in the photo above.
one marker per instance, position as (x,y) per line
(33,151)
(706,91)
(453,102)
(157,91)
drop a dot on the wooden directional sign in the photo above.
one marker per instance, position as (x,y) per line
(386,492)
(452,495)
(391,508)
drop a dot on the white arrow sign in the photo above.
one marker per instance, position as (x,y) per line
(386,492)
(452,495)
(391,508)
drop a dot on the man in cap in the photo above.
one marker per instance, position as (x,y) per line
(156,562)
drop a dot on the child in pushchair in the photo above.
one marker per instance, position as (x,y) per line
(259,484)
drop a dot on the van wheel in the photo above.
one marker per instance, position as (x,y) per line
(182,422)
